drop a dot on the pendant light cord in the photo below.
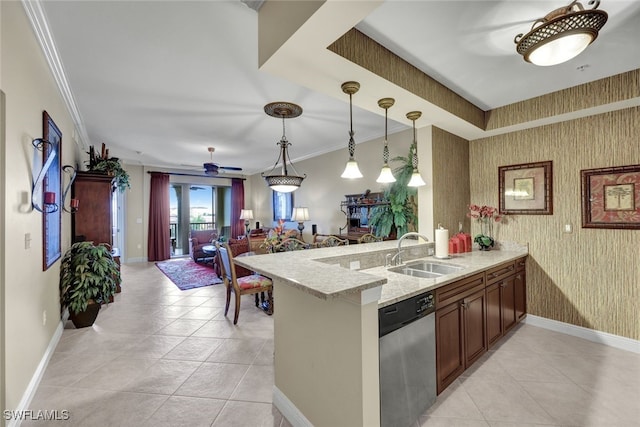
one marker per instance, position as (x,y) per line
(352,143)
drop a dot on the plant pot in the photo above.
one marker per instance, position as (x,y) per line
(85,318)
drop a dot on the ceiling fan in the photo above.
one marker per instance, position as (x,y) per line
(213,169)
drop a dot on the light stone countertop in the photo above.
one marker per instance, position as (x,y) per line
(342,270)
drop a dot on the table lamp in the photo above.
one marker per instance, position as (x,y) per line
(247,215)
(300,215)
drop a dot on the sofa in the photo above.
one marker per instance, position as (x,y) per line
(198,239)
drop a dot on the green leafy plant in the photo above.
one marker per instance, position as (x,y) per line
(88,273)
(400,213)
(109,166)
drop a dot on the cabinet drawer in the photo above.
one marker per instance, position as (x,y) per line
(500,272)
(521,264)
(457,290)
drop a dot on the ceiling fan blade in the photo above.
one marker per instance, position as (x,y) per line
(230,168)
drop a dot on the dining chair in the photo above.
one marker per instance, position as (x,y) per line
(369,238)
(291,244)
(326,241)
(246,285)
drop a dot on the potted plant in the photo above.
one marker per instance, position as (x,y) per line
(399,215)
(88,277)
(486,216)
(104,164)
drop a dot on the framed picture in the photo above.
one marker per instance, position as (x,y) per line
(282,206)
(611,197)
(526,189)
(51,222)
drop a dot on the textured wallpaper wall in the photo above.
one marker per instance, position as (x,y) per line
(450,180)
(590,277)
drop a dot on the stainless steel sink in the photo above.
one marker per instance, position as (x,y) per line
(426,269)
(434,267)
(415,273)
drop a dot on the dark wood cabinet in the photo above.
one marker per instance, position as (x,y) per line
(474,316)
(449,345)
(460,327)
(92,221)
(520,289)
(506,299)
(473,313)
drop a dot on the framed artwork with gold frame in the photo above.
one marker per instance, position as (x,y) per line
(526,189)
(611,197)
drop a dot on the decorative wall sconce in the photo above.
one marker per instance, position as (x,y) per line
(247,215)
(48,197)
(386,176)
(351,170)
(74,203)
(562,34)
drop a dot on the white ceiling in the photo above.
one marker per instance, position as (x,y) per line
(160,81)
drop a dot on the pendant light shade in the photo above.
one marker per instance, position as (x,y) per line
(386,176)
(351,170)
(562,34)
(283,182)
(416,179)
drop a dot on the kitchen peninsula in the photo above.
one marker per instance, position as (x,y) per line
(326,305)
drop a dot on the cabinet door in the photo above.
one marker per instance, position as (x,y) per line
(475,338)
(521,295)
(494,313)
(507,291)
(449,344)
(92,221)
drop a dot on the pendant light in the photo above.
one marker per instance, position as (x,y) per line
(562,34)
(352,170)
(283,182)
(386,176)
(416,180)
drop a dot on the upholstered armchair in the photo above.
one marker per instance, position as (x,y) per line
(198,239)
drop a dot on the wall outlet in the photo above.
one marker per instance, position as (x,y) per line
(568,228)
(354,265)
(27,240)
(139,246)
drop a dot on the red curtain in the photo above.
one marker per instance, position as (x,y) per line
(159,243)
(237,204)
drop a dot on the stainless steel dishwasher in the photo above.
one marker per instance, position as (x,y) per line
(407,360)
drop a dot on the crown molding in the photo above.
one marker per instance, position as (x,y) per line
(38,20)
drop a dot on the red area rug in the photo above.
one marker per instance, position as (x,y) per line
(186,274)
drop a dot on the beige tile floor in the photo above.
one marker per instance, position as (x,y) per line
(159,356)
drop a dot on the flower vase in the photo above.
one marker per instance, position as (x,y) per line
(484,240)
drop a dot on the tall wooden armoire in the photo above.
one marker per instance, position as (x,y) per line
(92,221)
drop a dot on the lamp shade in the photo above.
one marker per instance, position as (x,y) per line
(351,170)
(562,34)
(300,214)
(386,176)
(246,214)
(416,180)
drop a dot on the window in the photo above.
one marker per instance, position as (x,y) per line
(282,206)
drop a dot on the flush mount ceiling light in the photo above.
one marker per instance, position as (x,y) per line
(416,180)
(386,176)
(352,170)
(562,34)
(283,182)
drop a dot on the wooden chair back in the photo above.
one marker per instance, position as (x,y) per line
(369,238)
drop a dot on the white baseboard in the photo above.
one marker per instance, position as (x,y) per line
(289,410)
(605,338)
(27,397)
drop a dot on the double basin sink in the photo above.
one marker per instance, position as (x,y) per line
(426,269)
